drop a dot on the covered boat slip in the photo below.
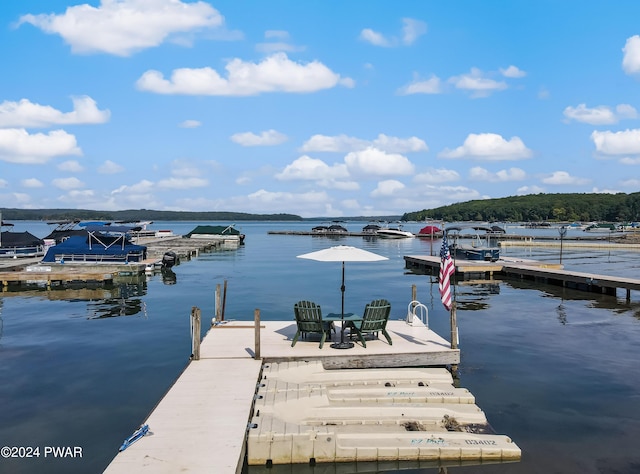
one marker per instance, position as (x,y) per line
(101,244)
(252,395)
(20,245)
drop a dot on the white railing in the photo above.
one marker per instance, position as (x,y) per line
(415,309)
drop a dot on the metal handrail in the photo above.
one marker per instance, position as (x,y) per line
(419,310)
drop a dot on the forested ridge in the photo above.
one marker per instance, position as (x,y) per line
(139,215)
(569,207)
(599,207)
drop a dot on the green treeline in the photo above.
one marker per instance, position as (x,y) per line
(619,207)
(138,215)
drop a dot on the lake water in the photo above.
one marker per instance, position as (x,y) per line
(555,369)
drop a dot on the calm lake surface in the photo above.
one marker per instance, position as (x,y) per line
(555,369)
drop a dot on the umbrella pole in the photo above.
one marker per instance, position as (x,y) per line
(342,344)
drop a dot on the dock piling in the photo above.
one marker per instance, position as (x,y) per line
(218,304)
(195,333)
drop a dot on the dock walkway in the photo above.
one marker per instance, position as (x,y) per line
(202,423)
(549,273)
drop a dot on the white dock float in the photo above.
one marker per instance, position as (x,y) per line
(388,415)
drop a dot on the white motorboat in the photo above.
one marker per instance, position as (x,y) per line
(393,233)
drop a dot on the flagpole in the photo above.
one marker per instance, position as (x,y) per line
(454,326)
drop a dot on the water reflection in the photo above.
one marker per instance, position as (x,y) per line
(475,296)
(124,301)
(169,277)
(562,313)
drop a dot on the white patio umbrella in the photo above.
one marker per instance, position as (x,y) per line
(343,253)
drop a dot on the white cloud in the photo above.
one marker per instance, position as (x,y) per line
(625,142)
(629,161)
(524,190)
(314,203)
(184,169)
(67,183)
(277,34)
(436,176)
(564,178)
(399,145)
(31,183)
(25,113)
(489,147)
(428,86)
(280,42)
(71,166)
(450,193)
(268,138)
(18,146)
(605,191)
(123,27)
(375,38)
(631,183)
(3,183)
(373,161)
(190,124)
(21,198)
(601,115)
(344,143)
(513,72)
(476,83)
(307,168)
(337,143)
(512,174)
(142,187)
(631,58)
(412,30)
(109,167)
(79,197)
(387,188)
(182,183)
(276,73)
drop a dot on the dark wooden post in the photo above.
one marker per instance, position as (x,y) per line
(218,304)
(224,300)
(256,319)
(195,333)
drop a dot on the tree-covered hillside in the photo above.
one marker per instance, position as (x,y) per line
(139,215)
(619,207)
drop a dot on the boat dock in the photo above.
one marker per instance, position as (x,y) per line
(252,398)
(25,272)
(549,273)
(49,277)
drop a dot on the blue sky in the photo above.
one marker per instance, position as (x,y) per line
(318,108)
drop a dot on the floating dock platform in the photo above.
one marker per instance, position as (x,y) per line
(252,398)
(307,414)
(548,273)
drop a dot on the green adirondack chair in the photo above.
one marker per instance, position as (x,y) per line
(374,320)
(308,317)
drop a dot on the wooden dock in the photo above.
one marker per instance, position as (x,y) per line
(548,273)
(204,422)
(21,273)
(49,277)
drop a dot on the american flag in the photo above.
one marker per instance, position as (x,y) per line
(447,269)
